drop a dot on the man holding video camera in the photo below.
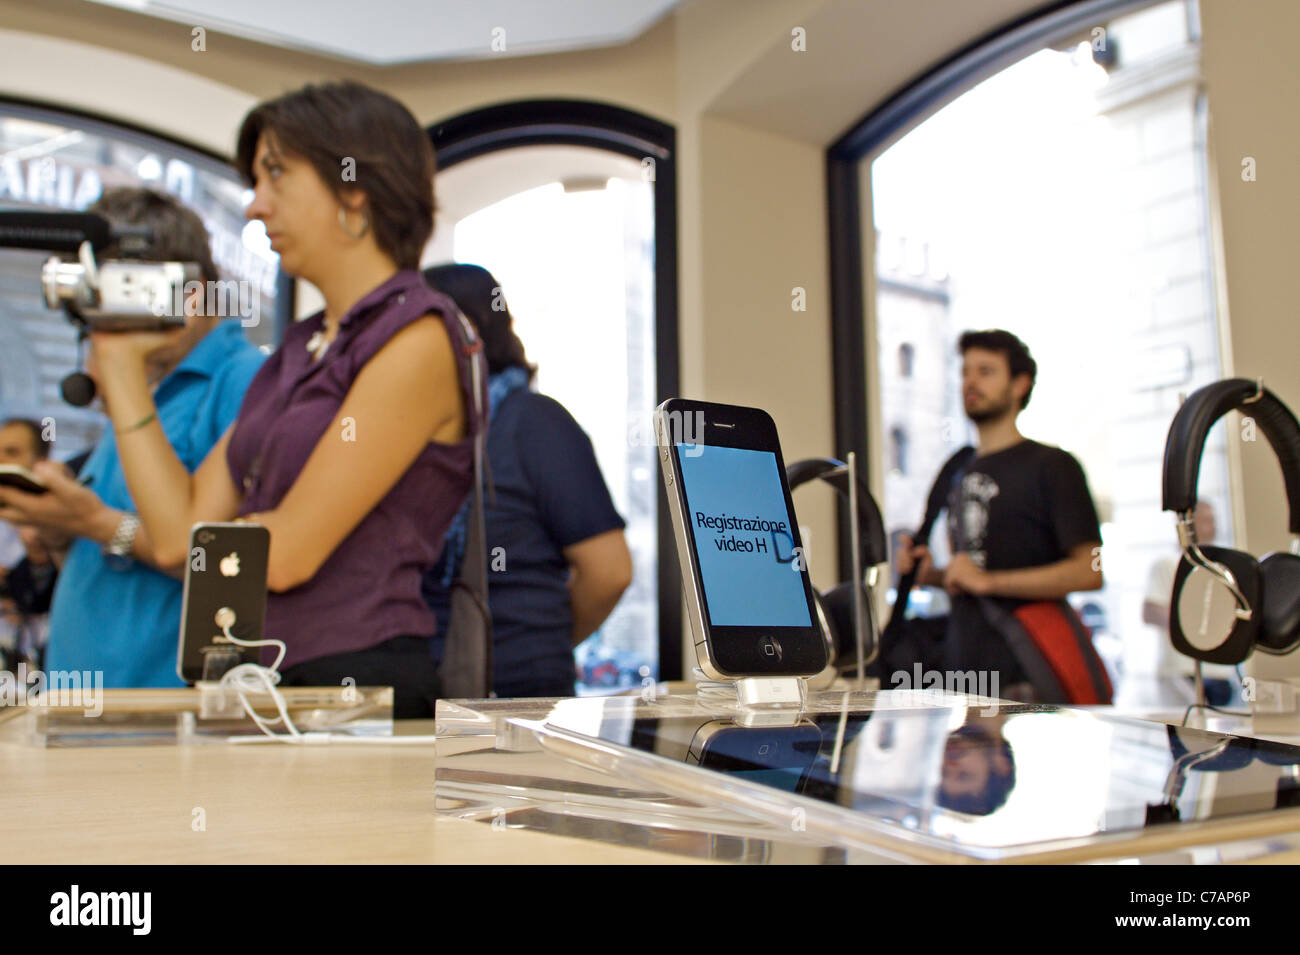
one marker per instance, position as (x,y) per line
(111,610)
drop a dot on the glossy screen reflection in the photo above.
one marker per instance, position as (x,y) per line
(988,778)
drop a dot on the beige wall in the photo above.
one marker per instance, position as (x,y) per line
(1251,83)
(755,348)
(1248,62)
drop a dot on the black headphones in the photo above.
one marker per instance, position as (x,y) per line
(835,606)
(1225,603)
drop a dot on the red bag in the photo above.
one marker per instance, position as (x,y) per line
(1055,650)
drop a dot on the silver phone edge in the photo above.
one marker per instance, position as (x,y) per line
(685,554)
(185,608)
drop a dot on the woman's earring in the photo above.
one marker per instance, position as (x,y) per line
(343,224)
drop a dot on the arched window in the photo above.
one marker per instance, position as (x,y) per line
(987,164)
(572,206)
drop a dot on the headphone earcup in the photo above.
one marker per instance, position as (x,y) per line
(838,603)
(1202,622)
(828,628)
(1279,626)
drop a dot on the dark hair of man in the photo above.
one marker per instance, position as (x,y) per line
(39,444)
(992,796)
(391,157)
(1016,352)
(479,296)
(178,234)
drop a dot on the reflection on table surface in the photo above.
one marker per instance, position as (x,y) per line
(968,775)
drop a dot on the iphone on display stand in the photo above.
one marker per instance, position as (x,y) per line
(225,584)
(749,598)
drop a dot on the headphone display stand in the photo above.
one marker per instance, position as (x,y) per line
(860,610)
(843,476)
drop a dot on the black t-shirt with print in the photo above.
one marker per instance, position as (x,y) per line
(1024,506)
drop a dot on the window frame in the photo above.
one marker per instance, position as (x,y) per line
(850,251)
(629,133)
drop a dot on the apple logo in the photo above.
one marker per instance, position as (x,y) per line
(230,565)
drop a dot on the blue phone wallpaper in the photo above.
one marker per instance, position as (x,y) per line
(743,537)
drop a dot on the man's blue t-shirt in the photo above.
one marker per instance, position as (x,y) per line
(126,622)
(549,495)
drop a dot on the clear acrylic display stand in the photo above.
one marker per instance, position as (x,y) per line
(567,766)
(190,715)
(759,701)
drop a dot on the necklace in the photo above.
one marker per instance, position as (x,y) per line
(317,345)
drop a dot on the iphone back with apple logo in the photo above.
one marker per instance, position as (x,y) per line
(226,572)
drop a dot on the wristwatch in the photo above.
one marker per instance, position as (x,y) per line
(118,550)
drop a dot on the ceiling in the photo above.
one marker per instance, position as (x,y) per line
(859,54)
(391,32)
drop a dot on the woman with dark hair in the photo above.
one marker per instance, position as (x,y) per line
(557,558)
(353,446)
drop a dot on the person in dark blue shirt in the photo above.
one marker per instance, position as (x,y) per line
(558,561)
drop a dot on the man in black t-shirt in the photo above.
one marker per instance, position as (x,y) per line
(1021,522)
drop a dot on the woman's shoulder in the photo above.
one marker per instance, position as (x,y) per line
(409,299)
(439,305)
(419,301)
(423,324)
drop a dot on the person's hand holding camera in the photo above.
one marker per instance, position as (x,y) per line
(128,352)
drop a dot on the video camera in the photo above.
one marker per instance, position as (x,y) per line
(127,294)
(117,295)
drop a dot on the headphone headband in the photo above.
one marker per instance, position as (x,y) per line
(836,474)
(1191,426)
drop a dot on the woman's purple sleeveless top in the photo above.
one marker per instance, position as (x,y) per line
(368,590)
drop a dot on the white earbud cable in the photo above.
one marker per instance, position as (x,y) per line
(249,678)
